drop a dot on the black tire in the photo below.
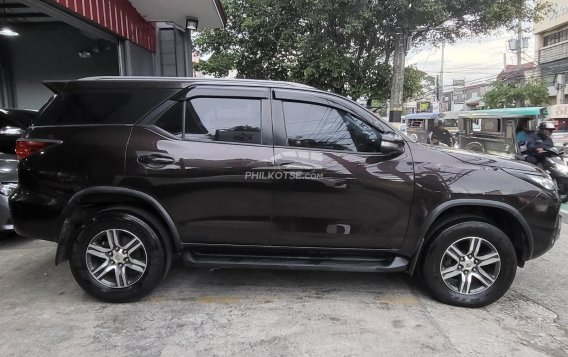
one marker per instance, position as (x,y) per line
(154,251)
(436,259)
(475,146)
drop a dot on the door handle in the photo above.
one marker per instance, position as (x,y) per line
(156,161)
(296,166)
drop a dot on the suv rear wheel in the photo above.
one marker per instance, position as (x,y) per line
(470,264)
(118,257)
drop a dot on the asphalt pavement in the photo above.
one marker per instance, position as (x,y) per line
(198,312)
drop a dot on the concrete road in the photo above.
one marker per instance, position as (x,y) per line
(271,313)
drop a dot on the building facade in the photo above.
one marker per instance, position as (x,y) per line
(551,45)
(468,97)
(70,39)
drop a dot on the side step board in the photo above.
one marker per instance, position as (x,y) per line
(393,264)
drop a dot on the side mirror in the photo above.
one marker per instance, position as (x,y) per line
(11,131)
(392,143)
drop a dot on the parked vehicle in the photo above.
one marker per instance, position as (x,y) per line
(12,124)
(127,173)
(8,183)
(419,126)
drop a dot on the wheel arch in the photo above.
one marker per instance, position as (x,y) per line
(449,213)
(88,201)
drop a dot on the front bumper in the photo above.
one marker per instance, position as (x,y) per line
(545,222)
(543,245)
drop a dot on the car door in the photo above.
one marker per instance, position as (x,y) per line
(336,186)
(193,156)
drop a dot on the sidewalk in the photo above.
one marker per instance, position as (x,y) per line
(564,212)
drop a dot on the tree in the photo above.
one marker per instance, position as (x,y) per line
(505,95)
(417,83)
(344,46)
(536,93)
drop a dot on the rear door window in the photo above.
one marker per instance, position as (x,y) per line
(224,119)
(214,119)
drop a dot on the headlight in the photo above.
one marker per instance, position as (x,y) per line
(6,189)
(562,168)
(559,165)
(540,180)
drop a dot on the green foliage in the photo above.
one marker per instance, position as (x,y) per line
(343,46)
(417,84)
(500,96)
(505,95)
(536,94)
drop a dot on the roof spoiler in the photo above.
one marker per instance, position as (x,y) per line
(56,87)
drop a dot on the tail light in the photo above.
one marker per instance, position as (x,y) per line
(24,147)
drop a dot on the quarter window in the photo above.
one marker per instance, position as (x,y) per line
(172,120)
(116,106)
(322,127)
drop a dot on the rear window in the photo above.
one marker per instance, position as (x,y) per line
(102,107)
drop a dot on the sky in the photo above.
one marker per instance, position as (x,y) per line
(473,60)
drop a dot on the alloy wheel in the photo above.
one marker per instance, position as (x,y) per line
(116,258)
(470,266)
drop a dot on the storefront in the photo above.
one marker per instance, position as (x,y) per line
(69,39)
(559,114)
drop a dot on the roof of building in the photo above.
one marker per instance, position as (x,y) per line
(512,71)
(209,13)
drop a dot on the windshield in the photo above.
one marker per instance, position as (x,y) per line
(450,123)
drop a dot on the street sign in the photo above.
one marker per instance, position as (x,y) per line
(559,111)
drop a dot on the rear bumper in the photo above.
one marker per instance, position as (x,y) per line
(34,215)
(5,218)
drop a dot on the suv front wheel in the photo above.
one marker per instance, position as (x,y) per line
(118,257)
(470,264)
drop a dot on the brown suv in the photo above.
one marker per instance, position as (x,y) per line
(127,173)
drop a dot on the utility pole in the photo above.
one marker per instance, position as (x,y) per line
(519,58)
(441,98)
(437,94)
(396,98)
(519,44)
(560,88)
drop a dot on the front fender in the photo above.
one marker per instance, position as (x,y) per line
(429,223)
